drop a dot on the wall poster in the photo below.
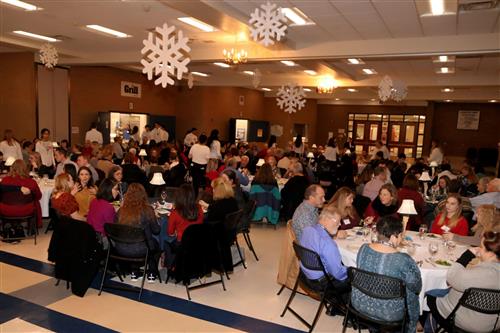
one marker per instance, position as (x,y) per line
(468,120)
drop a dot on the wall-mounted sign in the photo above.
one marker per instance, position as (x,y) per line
(468,120)
(130,89)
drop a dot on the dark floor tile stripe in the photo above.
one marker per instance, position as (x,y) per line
(13,307)
(167,302)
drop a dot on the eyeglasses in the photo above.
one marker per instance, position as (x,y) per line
(490,236)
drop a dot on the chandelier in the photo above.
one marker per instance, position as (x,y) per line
(235,56)
(326,85)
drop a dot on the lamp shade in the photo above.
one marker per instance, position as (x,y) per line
(143,152)
(314,146)
(157,179)
(425,177)
(407,208)
(310,154)
(433,164)
(55,144)
(260,162)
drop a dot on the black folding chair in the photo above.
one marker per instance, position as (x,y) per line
(244,226)
(486,301)
(380,287)
(12,196)
(120,236)
(312,261)
(231,223)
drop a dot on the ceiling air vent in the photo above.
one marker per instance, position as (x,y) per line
(468,5)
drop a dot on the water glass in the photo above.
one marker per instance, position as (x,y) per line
(366,232)
(450,247)
(422,230)
(433,248)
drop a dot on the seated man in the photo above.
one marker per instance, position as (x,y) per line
(491,197)
(372,188)
(306,213)
(319,238)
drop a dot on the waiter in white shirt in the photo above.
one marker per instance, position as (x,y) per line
(93,135)
(159,134)
(10,147)
(46,148)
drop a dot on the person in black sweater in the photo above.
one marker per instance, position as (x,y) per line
(224,202)
(131,171)
(292,193)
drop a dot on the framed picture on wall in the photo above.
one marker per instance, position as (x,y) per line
(468,120)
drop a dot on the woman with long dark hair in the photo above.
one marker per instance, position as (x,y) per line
(101,210)
(266,193)
(87,190)
(136,211)
(298,145)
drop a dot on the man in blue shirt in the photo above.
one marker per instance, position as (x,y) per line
(319,238)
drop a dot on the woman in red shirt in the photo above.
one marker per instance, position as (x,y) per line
(63,200)
(451,219)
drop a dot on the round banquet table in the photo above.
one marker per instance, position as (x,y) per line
(46,187)
(433,276)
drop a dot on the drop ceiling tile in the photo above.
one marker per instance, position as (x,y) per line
(478,21)
(439,25)
(400,17)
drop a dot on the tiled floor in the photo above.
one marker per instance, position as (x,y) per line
(249,304)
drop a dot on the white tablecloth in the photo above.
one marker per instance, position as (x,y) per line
(432,277)
(46,188)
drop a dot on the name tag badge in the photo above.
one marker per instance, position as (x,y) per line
(445,228)
(346,221)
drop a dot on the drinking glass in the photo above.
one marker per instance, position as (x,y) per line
(366,232)
(163,196)
(433,248)
(374,237)
(422,230)
(45,179)
(450,246)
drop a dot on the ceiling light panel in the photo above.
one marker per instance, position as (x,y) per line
(352,90)
(307,89)
(266,89)
(248,72)
(447,90)
(369,71)
(222,64)
(310,72)
(21,4)
(197,24)
(200,74)
(35,36)
(107,31)
(296,16)
(287,62)
(355,61)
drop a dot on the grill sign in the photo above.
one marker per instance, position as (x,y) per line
(130,89)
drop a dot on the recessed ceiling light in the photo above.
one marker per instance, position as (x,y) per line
(107,31)
(444,70)
(352,90)
(266,89)
(310,72)
(443,58)
(337,99)
(447,90)
(369,71)
(307,89)
(373,99)
(36,36)
(355,61)
(296,16)
(200,74)
(248,72)
(448,100)
(492,101)
(222,64)
(287,62)
(197,24)
(21,4)
(437,7)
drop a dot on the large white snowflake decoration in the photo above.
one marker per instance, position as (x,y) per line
(257,77)
(48,55)
(165,55)
(399,90)
(385,88)
(291,98)
(267,24)
(190,81)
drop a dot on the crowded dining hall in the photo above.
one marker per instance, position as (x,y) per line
(253,166)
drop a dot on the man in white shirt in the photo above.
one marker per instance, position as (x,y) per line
(10,147)
(60,155)
(491,197)
(436,153)
(93,135)
(199,155)
(45,148)
(159,134)
(379,146)
(190,138)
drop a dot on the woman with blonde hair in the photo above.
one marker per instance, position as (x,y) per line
(136,211)
(63,197)
(224,202)
(450,220)
(342,200)
(488,217)
(105,160)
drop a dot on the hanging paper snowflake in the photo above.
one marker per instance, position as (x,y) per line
(385,88)
(257,77)
(399,90)
(190,81)
(166,53)
(291,98)
(267,24)
(48,55)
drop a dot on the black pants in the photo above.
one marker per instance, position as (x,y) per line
(431,302)
(341,289)
(198,173)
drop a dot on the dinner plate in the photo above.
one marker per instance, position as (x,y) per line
(441,263)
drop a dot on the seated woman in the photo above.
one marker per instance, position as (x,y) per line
(224,202)
(468,181)
(136,211)
(36,165)
(266,194)
(292,193)
(383,258)
(101,210)
(70,169)
(116,175)
(132,173)
(176,172)
(488,217)
(18,177)
(463,275)
(86,190)
(385,204)
(441,188)
(410,191)
(63,197)
(240,196)
(450,220)
(342,200)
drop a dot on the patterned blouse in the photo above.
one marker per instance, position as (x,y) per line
(65,204)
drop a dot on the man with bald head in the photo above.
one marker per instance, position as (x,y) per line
(491,197)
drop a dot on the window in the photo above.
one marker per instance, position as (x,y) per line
(360,116)
(408,152)
(410,133)
(376,117)
(360,131)
(395,132)
(373,132)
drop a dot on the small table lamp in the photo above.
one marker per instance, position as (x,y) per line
(260,162)
(157,179)
(143,153)
(310,154)
(433,166)
(407,208)
(425,178)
